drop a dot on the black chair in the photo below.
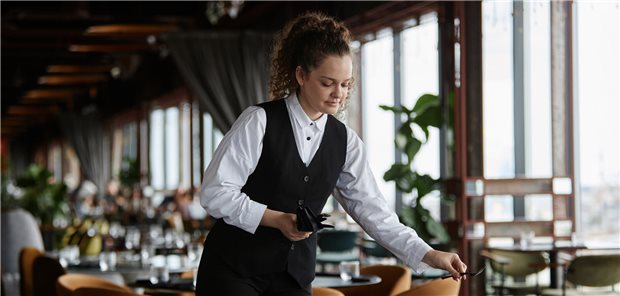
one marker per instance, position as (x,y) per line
(336,246)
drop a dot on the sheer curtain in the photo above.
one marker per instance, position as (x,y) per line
(226,71)
(85,134)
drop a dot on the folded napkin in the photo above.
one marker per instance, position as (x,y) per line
(308,221)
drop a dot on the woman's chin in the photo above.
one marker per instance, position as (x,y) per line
(330,110)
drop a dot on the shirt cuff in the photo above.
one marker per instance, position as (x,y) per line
(255,214)
(415,261)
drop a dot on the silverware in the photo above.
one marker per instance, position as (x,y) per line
(471,274)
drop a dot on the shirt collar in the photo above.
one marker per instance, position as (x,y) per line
(301,117)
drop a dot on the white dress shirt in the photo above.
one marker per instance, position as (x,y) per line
(239,152)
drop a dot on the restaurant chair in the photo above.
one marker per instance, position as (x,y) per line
(69,283)
(26,264)
(596,271)
(19,230)
(443,287)
(394,279)
(336,246)
(326,292)
(100,291)
(46,271)
(515,264)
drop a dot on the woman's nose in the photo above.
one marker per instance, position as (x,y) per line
(337,92)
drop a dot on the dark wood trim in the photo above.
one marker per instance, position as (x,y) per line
(388,15)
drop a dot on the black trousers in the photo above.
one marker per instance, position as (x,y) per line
(217,278)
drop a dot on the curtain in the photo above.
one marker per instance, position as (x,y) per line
(226,71)
(85,134)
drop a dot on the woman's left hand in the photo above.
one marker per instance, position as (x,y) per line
(446,261)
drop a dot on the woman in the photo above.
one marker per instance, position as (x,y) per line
(291,152)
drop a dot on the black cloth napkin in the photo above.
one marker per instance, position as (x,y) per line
(308,221)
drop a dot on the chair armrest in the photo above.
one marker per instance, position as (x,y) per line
(497,258)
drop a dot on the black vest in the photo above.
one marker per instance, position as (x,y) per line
(282,181)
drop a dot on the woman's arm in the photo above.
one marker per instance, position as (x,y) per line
(234,160)
(360,197)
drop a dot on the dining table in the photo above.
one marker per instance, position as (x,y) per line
(321,280)
(553,249)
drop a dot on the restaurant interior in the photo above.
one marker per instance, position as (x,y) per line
(492,129)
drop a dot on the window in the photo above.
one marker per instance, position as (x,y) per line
(378,125)
(497,71)
(598,124)
(212,138)
(164,148)
(156,149)
(420,60)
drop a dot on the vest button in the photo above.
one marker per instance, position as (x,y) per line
(292,247)
(306,179)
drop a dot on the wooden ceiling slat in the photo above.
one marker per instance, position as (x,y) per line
(72,79)
(53,93)
(79,68)
(111,47)
(31,110)
(130,29)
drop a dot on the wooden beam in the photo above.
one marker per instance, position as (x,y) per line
(72,79)
(111,47)
(53,93)
(79,68)
(113,30)
(32,110)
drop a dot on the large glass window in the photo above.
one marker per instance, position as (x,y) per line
(420,73)
(537,88)
(497,69)
(156,149)
(598,128)
(378,125)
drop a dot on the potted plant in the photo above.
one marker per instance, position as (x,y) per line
(427,113)
(41,196)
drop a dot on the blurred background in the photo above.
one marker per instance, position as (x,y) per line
(111,111)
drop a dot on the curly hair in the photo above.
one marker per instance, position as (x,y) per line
(305,41)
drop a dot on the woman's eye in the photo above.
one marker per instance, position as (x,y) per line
(325,84)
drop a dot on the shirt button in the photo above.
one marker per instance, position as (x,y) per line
(308,138)
(306,179)
(292,247)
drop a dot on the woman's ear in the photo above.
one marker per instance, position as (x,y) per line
(300,75)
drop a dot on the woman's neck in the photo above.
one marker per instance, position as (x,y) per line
(310,112)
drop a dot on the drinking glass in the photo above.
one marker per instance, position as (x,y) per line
(349,270)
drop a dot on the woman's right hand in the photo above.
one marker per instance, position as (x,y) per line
(285,222)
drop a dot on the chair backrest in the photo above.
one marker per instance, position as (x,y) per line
(46,272)
(336,240)
(594,270)
(445,287)
(26,264)
(19,230)
(521,263)
(394,279)
(69,283)
(99,291)
(326,292)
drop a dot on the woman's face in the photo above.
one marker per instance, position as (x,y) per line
(325,88)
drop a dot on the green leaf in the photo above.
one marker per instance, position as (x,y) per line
(424,102)
(391,108)
(411,149)
(437,231)
(396,171)
(403,136)
(424,185)
(430,117)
